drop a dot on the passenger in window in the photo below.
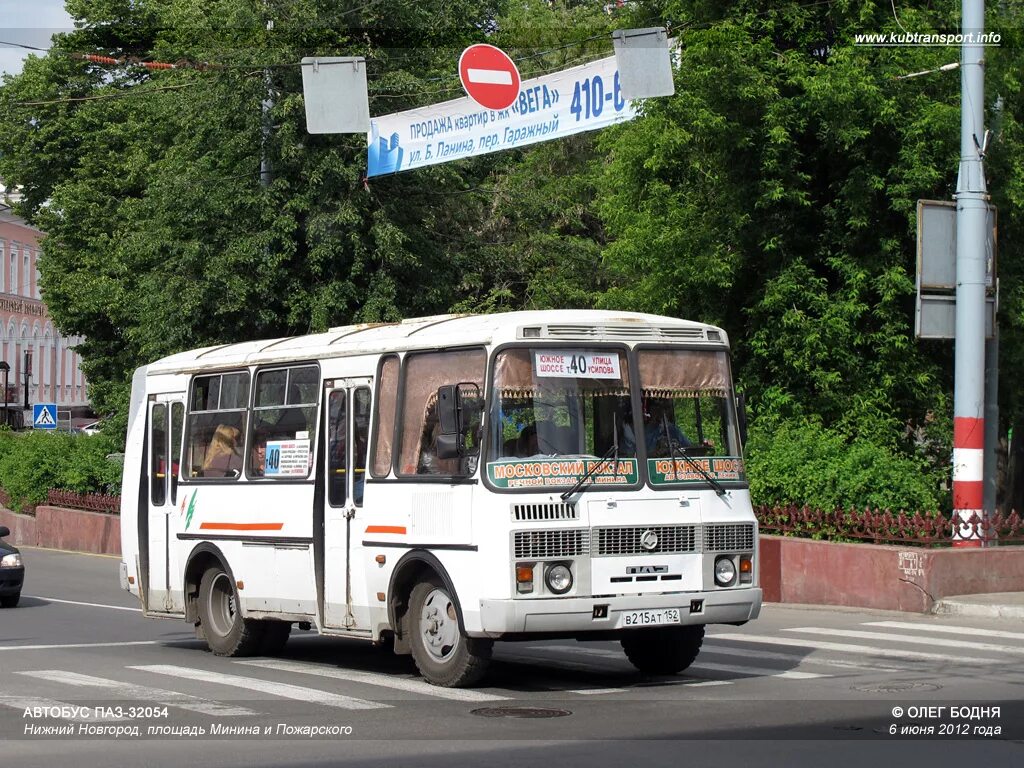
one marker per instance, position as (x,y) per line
(527,445)
(660,430)
(224,456)
(259,455)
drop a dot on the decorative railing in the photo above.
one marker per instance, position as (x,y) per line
(887,527)
(91,502)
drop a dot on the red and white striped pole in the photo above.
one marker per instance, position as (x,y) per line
(968,480)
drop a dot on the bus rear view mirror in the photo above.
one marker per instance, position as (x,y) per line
(449,446)
(448,409)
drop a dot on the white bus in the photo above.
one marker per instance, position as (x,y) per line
(445,482)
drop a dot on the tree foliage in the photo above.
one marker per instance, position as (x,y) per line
(773,194)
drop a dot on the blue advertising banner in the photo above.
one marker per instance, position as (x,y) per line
(583,98)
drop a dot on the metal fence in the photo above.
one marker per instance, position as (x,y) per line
(91,502)
(887,527)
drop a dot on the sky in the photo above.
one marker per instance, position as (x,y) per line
(28,22)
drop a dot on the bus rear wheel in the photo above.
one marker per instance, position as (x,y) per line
(226,632)
(443,654)
(664,650)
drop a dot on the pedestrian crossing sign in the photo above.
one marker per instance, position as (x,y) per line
(44,416)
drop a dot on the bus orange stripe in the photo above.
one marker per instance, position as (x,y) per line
(385,529)
(241,526)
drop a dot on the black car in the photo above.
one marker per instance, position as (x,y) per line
(12,571)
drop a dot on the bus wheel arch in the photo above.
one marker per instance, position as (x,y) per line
(425,612)
(214,607)
(414,567)
(203,557)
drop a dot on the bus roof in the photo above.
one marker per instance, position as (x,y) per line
(563,325)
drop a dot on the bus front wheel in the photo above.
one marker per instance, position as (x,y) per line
(443,654)
(664,650)
(227,633)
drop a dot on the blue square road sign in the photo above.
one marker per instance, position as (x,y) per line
(44,416)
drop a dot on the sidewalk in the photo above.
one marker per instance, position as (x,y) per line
(998,605)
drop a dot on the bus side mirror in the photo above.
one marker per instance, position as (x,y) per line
(448,446)
(455,404)
(448,410)
(4,531)
(741,415)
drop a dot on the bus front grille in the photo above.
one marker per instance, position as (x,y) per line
(729,537)
(631,541)
(538,545)
(528,512)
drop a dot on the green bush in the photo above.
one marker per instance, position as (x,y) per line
(804,463)
(33,463)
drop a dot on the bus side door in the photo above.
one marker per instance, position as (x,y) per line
(166,418)
(347,430)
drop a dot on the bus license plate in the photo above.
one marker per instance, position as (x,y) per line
(650,618)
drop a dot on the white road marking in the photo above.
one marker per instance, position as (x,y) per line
(32,702)
(742,669)
(948,629)
(869,650)
(893,637)
(491,76)
(77,645)
(602,652)
(739,669)
(597,691)
(89,605)
(144,693)
(373,678)
(283,690)
(748,653)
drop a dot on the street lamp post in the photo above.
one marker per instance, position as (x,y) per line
(28,374)
(5,368)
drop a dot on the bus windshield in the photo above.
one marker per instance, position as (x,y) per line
(556,412)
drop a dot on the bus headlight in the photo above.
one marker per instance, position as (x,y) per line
(558,577)
(725,572)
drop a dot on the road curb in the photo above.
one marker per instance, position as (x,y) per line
(975,610)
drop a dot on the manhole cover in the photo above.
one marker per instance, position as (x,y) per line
(533,712)
(896,686)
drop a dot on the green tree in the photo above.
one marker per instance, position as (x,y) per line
(775,194)
(161,236)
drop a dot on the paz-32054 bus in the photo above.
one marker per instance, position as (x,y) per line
(443,483)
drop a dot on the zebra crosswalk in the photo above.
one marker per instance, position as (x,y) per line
(803,655)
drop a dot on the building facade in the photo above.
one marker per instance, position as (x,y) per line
(43,365)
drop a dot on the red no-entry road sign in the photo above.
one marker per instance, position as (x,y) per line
(489,76)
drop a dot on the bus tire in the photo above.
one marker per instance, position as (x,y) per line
(665,650)
(443,654)
(226,632)
(275,636)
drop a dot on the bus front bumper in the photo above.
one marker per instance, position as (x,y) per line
(602,614)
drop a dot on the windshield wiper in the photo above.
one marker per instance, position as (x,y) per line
(673,447)
(613,449)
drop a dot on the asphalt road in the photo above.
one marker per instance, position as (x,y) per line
(798,686)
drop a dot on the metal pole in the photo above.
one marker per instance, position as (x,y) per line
(28,374)
(5,368)
(991,433)
(971,219)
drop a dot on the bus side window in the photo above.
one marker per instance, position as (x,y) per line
(337,447)
(387,404)
(361,402)
(422,374)
(215,425)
